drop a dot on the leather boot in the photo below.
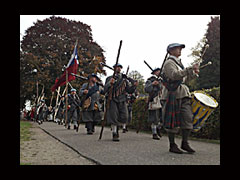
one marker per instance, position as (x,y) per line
(185,146)
(155,136)
(115,137)
(89,132)
(159,132)
(174,148)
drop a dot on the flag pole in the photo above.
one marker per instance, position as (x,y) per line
(51,99)
(66,110)
(66,116)
(56,104)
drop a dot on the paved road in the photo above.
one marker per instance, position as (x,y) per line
(43,149)
(133,148)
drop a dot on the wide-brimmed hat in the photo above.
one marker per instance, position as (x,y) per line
(93,75)
(156,69)
(173,45)
(118,65)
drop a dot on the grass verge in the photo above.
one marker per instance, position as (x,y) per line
(25,135)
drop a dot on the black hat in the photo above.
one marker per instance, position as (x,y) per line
(156,69)
(118,65)
(173,45)
(93,75)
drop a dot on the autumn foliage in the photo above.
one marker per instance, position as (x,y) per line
(48,46)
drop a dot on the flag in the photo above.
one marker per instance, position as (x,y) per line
(71,68)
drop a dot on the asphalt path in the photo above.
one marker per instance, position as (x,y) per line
(132,149)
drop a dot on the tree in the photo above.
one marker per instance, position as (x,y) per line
(196,54)
(48,46)
(210,76)
(137,76)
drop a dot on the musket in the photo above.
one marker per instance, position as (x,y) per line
(101,63)
(163,64)
(125,75)
(147,104)
(148,65)
(81,77)
(153,69)
(110,93)
(127,70)
(152,95)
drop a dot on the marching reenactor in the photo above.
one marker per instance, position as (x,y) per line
(91,107)
(60,111)
(41,111)
(33,111)
(130,100)
(117,113)
(177,112)
(49,113)
(73,108)
(153,87)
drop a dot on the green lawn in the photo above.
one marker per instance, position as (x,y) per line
(25,134)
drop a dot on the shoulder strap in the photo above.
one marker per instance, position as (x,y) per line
(152,78)
(180,65)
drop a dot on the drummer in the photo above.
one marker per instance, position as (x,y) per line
(176,98)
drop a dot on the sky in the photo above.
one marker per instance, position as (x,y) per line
(145,37)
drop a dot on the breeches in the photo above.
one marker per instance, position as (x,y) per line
(72,115)
(91,116)
(154,116)
(117,113)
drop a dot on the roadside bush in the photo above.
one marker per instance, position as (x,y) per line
(210,130)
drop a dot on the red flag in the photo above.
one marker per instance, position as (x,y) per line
(71,68)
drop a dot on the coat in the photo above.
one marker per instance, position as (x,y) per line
(95,97)
(149,88)
(73,102)
(118,112)
(172,71)
(121,97)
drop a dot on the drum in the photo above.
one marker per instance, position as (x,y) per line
(202,106)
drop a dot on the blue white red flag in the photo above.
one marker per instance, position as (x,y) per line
(72,67)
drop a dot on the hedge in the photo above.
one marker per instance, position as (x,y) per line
(210,130)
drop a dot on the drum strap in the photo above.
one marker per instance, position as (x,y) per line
(179,64)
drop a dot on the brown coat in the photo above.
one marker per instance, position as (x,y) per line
(174,72)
